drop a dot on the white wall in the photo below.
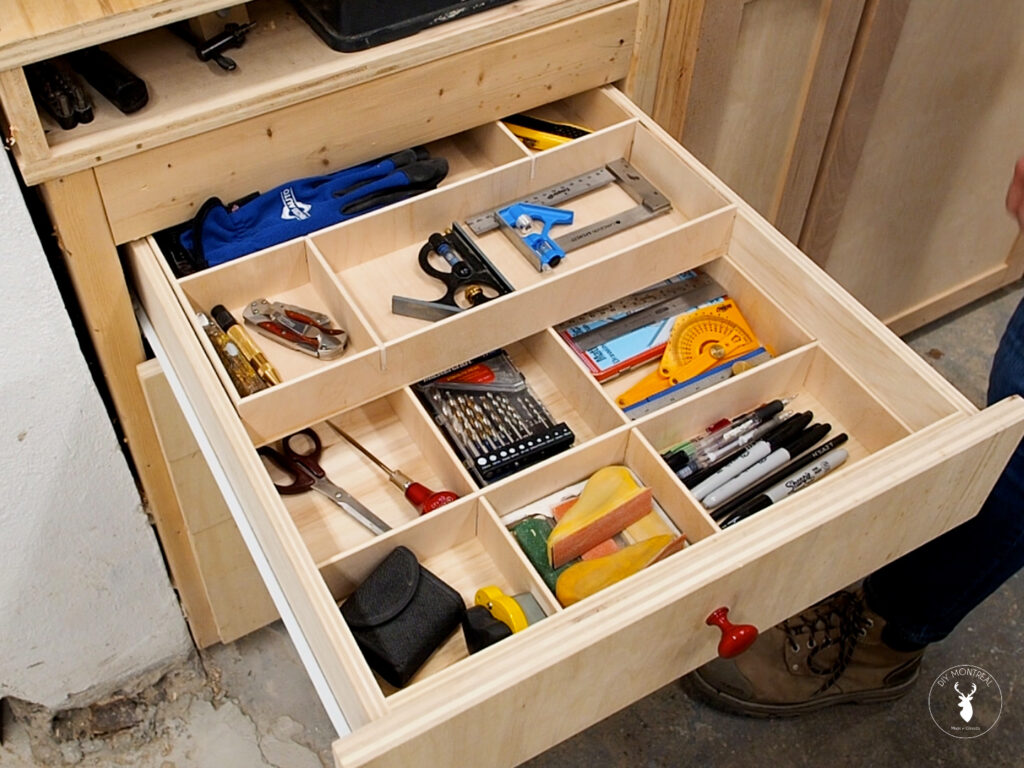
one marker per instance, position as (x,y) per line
(84,595)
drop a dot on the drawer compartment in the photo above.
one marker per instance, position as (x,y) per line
(519,57)
(921,457)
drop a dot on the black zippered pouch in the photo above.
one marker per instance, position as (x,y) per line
(400,615)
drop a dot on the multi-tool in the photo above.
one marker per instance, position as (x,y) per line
(302,329)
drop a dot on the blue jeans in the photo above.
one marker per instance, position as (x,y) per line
(924,595)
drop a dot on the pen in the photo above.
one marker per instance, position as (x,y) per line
(726,509)
(725,430)
(766,466)
(795,482)
(247,346)
(749,456)
(791,425)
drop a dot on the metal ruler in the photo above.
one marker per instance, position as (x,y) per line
(650,201)
(646,307)
(487,221)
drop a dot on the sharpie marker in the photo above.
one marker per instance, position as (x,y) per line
(725,510)
(795,482)
(766,466)
(749,456)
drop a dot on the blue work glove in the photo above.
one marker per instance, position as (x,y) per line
(298,207)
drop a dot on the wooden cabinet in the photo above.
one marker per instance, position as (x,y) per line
(879,135)
(751,89)
(922,457)
(908,210)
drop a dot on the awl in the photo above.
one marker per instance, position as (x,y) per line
(421,497)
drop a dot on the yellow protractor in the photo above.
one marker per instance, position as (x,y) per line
(700,340)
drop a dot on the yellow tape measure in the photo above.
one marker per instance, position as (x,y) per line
(502,607)
(700,340)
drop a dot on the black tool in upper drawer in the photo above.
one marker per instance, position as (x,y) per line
(354,25)
(113,80)
(519,219)
(212,49)
(56,87)
(492,418)
(471,275)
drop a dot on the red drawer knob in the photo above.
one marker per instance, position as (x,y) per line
(736,638)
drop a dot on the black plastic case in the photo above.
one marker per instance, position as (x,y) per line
(354,25)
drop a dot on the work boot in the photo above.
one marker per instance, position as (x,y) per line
(831,653)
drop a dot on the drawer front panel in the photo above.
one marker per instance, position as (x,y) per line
(307,597)
(522,701)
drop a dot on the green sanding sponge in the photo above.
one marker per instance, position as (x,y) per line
(532,535)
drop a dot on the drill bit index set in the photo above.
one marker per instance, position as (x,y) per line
(492,418)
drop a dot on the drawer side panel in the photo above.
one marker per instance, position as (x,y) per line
(305,596)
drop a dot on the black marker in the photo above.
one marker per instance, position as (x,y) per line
(748,457)
(775,460)
(726,509)
(777,434)
(795,482)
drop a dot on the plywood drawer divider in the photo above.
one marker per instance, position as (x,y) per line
(341,270)
(921,456)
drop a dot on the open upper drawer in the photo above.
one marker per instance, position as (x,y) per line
(921,460)
(531,52)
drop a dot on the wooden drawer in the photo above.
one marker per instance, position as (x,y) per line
(922,457)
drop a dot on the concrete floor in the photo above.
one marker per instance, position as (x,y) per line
(250,705)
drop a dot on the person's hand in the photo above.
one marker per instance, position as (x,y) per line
(1015,194)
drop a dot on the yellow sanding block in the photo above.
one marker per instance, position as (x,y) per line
(611,500)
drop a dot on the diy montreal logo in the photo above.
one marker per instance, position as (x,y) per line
(965,701)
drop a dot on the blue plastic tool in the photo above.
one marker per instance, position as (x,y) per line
(542,249)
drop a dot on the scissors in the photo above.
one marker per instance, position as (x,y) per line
(305,468)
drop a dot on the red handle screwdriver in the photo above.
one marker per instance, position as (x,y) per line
(421,497)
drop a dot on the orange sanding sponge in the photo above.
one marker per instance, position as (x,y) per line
(611,500)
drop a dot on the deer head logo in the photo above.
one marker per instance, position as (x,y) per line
(966,710)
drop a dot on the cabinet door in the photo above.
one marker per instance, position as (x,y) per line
(908,209)
(751,91)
